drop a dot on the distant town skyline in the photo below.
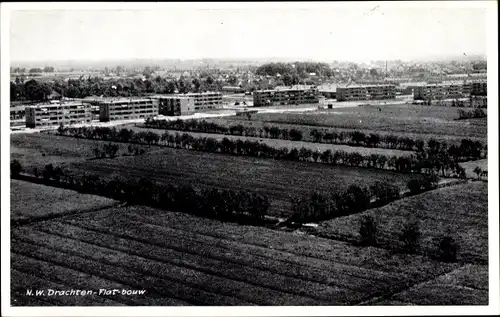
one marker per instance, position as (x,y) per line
(377,31)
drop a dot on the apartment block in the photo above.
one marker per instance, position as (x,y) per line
(449,90)
(366,92)
(205,100)
(285,96)
(175,105)
(479,88)
(55,114)
(328,91)
(127,109)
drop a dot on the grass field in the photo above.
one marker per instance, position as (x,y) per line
(467,285)
(277,143)
(405,119)
(31,201)
(183,260)
(277,179)
(40,149)
(460,211)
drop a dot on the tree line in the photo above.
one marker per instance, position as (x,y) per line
(466,151)
(21,90)
(225,205)
(475,113)
(318,206)
(446,247)
(297,70)
(430,160)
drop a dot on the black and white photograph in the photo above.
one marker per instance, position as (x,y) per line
(253,158)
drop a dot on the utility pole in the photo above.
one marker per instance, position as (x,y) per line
(385,79)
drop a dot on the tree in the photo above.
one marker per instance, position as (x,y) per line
(15,168)
(48,171)
(410,236)
(35,91)
(478,171)
(57,173)
(354,199)
(111,149)
(295,135)
(447,249)
(373,140)
(384,192)
(368,231)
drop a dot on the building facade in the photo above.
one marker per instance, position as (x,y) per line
(449,90)
(329,91)
(127,109)
(290,96)
(205,100)
(175,105)
(366,92)
(479,88)
(55,114)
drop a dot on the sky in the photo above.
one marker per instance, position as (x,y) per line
(375,32)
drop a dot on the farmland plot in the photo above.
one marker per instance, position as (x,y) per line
(184,260)
(467,285)
(30,201)
(458,211)
(277,179)
(40,149)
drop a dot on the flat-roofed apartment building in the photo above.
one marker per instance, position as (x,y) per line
(329,91)
(285,96)
(205,100)
(55,114)
(175,105)
(127,109)
(448,90)
(479,95)
(366,92)
(479,88)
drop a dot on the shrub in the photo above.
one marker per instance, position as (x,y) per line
(15,168)
(410,236)
(418,185)
(355,199)
(414,186)
(48,172)
(384,192)
(368,231)
(447,249)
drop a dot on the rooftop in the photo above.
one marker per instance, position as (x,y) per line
(366,86)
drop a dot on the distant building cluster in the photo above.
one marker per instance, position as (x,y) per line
(86,110)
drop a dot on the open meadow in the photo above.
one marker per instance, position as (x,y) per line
(179,260)
(438,122)
(458,211)
(39,149)
(31,201)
